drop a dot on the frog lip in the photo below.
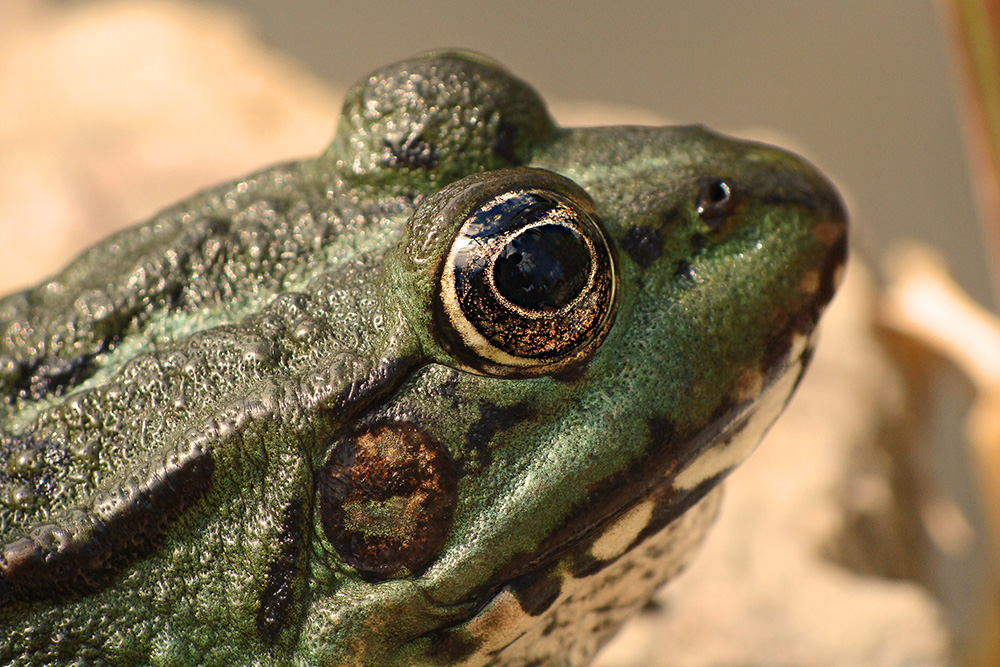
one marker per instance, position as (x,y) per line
(509,608)
(532,586)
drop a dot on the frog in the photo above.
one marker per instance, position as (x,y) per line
(460,390)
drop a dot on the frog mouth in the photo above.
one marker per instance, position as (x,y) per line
(605,568)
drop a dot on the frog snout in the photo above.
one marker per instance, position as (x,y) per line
(830,229)
(822,211)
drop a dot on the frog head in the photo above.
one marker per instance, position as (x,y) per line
(458,391)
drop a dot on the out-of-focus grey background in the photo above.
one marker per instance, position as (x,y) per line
(866,88)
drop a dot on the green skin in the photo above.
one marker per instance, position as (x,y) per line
(236,340)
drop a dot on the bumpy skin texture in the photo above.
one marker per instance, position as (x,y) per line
(247,431)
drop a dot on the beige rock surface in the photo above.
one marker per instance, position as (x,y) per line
(112,110)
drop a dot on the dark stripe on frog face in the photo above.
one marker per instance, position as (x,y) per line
(411,152)
(82,554)
(801,321)
(51,375)
(61,340)
(671,504)
(816,291)
(492,419)
(536,591)
(832,268)
(453,649)
(644,244)
(279,594)
(506,141)
(668,451)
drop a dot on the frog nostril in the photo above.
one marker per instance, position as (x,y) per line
(715,201)
(718,193)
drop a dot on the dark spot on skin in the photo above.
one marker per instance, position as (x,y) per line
(387,499)
(807,356)
(492,419)
(644,244)
(83,552)
(684,274)
(37,378)
(661,433)
(652,606)
(835,259)
(536,591)
(698,243)
(585,565)
(777,345)
(53,376)
(448,390)
(572,373)
(279,592)
(666,512)
(506,139)
(280,205)
(410,151)
(39,476)
(448,648)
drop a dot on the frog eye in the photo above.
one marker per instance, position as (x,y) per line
(716,200)
(528,285)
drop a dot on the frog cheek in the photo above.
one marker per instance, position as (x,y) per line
(387,497)
(528,285)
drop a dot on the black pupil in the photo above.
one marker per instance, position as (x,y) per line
(543,268)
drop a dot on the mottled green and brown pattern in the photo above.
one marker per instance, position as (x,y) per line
(457,391)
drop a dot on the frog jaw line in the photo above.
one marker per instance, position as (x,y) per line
(730,452)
